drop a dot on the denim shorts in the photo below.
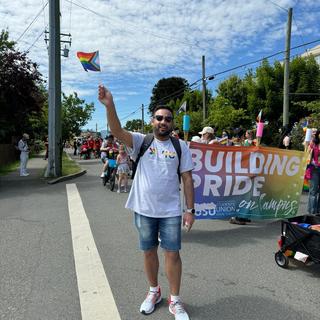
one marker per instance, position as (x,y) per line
(168,230)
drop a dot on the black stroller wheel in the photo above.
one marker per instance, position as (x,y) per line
(281,259)
(112,180)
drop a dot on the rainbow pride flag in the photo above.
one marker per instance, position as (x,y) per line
(90,60)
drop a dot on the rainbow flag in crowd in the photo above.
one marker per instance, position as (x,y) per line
(306,185)
(90,60)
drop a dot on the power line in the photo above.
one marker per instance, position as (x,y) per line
(282,8)
(294,20)
(36,17)
(175,93)
(178,92)
(35,41)
(264,58)
(305,93)
(132,113)
(134,26)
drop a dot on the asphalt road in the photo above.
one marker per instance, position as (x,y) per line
(229,271)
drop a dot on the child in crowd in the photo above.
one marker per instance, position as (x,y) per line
(123,168)
(249,139)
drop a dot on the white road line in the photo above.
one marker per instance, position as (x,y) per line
(96,299)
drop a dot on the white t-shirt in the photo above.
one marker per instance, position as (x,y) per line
(155,189)
(23,146)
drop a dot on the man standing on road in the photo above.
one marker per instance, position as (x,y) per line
(24,154)
(155,199)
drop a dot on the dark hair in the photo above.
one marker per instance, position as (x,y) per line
(227,133)
(316,139)
(110,136)
(162,107)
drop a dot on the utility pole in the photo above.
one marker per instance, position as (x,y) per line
(204,87)
(142,125)
(286,72)
(54,121)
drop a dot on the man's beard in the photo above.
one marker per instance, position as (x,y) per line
(165,133)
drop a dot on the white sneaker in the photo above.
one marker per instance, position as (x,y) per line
(118,191)
(24,175)
(150,302)
(102,175)
(177,309)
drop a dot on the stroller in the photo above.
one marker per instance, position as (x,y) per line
(111,174)
(298,238)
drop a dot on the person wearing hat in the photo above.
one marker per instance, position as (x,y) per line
(24,154)
(207,135)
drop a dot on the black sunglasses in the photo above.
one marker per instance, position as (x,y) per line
(160,118)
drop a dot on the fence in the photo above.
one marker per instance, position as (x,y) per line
(8,154)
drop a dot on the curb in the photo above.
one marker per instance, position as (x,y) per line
(68,177)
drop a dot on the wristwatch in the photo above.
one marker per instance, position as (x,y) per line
(192,211)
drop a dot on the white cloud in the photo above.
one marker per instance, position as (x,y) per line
(142,41)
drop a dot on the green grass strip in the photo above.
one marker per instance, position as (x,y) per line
(10,167)
(69,166)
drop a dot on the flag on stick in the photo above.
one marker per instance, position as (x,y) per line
(90,60)
(183,107)
(259,116)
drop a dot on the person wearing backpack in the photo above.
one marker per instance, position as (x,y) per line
(24,154)
(155,199)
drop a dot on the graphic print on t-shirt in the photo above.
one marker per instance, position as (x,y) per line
(166,153)
(152,151)
(169,154)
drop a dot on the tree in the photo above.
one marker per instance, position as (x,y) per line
(167,89)
(223,116)
(134,125)
(193,99)
(265,91)
(37,122)
(235,91)
(304,78)
(5,43)
(20,90)
(75,114)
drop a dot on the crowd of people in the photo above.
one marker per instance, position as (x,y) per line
(240,138)
(112,151)
(156,202)
(87,148)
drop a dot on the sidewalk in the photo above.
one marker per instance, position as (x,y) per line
(36,168)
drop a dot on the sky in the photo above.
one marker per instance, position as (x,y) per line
(141,42)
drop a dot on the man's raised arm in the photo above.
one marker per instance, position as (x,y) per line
(105,97)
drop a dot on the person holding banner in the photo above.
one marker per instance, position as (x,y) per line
(314,151)
(248,142)
(155,200)
(207,135)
